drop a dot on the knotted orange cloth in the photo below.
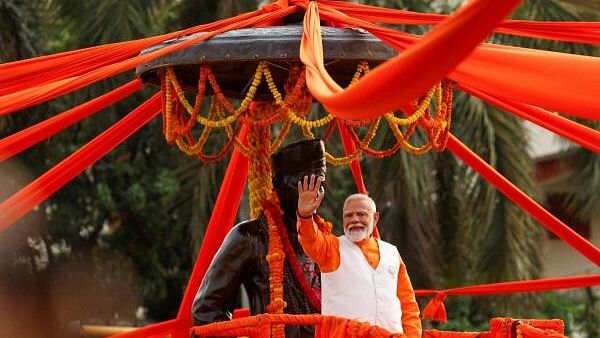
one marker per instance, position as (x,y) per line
(334,327)
(452,334)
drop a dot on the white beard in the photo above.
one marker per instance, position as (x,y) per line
(358,234)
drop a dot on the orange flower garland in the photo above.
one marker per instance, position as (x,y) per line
(259,142)
(261,187)
(271,207)
(275,259)
(292,110)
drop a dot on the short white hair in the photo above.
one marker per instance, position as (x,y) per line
(360,196)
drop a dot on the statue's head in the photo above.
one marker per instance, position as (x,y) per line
(291,163)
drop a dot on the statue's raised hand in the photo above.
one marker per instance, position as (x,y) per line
(310,195)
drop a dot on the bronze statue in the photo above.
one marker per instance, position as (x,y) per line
(241,258)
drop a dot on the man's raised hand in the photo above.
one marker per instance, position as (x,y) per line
(310,195)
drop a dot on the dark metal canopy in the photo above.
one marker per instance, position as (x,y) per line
(234,55)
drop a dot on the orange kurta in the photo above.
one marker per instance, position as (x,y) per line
(324,249)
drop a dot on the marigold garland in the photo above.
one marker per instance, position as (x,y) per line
(282,134)
(344,159)
(378,153)
(259,179)
(436,128)
(291,110)
(192,148)
(260,186)
(271,206)
(329,130)
(275,258)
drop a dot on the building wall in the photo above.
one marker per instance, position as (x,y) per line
(560,259)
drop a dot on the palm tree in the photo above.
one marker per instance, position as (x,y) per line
(16,30)
(18,23)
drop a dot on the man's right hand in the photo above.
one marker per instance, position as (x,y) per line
(310,195)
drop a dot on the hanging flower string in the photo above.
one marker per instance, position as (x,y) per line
(261,187)
(271,208)
(180,116)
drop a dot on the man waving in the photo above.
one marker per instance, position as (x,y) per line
(362,277)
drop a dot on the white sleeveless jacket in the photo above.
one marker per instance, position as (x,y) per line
(357,291)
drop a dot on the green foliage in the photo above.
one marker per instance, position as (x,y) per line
(125,232)
(91,23)
(18,29)
(580,310)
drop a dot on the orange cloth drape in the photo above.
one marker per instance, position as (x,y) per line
(452,334)
(260,326)
(505,327)
(555,81)
(33,95)
(534,285)
(516,79)
(585,32)
(332,327)
(350,148)
(398,81)
(19,75)
(435,309)
(528,331)
(519,74)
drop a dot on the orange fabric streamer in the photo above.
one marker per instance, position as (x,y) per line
(585,32)
(509,327)
(326,326)
(419,66)
(518,74)
(350,148)
(435,309)
(528,331)
(554,81)
(333,327)
(578,133)
(337,327)
(31,96)
(455,334)
(22,74)
(17,142)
